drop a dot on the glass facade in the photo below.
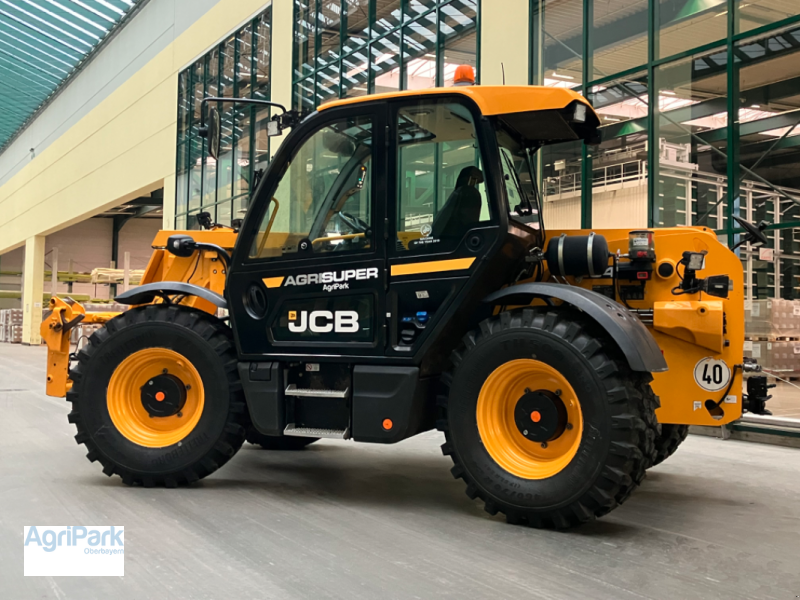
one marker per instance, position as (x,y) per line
(238,67)
(699,102)
(346,48)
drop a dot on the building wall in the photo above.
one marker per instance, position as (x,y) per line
(88,245)
(136,237)
(622,207)
(562,212)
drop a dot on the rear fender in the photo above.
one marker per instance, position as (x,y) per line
(631,336)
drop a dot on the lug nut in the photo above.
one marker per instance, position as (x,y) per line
(527,390)
(569,425)
(180,414)
(165,371)
(150,382)
(525,432)
(544,444)
(558,392)
(188,387)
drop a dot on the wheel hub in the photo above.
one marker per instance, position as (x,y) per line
(163,395)
(540,415)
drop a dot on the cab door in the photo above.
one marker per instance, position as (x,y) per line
(442,218)
(308,275)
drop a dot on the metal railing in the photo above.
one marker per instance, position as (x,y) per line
(620,174)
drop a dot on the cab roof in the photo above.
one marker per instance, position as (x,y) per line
(491,99)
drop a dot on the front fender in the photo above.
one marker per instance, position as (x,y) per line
(145,294)
(628,332)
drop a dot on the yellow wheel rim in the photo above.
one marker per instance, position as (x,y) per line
(124,398)
(501,436)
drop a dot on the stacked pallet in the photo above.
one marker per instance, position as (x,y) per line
(104,307)
(11,325)
(105,275)
(772,334)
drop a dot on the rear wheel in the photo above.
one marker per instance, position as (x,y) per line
(156,397)
(278,442)
(544,419)
(667,441)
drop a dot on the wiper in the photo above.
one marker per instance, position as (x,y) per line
(525,207)
(530,152)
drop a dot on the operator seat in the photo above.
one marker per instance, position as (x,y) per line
(463,207)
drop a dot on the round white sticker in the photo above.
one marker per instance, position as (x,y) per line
(426,229)
(712,375)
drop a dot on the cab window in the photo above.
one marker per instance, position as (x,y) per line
(323,202)
(441,191)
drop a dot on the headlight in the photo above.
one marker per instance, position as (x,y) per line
(695,261)
(580,113)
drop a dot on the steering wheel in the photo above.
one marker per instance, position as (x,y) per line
(755,234)
(356,224)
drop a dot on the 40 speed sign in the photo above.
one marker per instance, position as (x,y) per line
(711,374)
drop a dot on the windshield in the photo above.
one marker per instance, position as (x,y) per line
(323,200)
(519,178)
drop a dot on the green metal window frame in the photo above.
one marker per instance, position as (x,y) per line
(399,30)
(653,31)
(187,134)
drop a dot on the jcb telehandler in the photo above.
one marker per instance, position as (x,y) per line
(393,275)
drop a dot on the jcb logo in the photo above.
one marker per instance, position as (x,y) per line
(323,321)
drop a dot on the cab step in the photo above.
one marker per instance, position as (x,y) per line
(336,434)
(293,390)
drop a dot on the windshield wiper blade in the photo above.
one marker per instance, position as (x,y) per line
(525,203)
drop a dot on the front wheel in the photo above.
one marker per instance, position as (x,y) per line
(544,419)
(156,397)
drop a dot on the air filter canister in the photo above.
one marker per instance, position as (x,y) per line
(577,255)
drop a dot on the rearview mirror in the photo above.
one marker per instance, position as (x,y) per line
(181,245)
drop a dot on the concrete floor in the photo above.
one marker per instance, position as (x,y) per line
(720,519)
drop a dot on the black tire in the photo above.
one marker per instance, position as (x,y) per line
(278,442)
(667,441)
(618,410)
(207,344)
